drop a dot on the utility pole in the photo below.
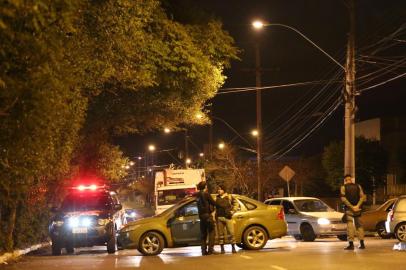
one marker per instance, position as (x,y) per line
(349,97)
(259,119)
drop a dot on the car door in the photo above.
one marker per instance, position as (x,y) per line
(185,227)
(291,216)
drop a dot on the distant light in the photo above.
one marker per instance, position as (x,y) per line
(201,154)
(199,116)
(167,130)
(151,147)
(150,170)
(221,145)
(127,167)
(93,187)
(81,187)
(254,133)
(258,24)
(188,161)
(139,158)
(132,163)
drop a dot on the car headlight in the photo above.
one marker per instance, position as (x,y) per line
(86,222)
(57,223)
(103,221)
(73,222)
(323,221)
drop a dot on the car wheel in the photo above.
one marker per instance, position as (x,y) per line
(342,237)
(381,230)
(298,237)
(307,232)
(69,248)
(56,248)
(151,243)
(255,238)
(111,243)
(400,232)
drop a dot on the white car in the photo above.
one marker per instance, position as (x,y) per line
(309,218)
(396,221)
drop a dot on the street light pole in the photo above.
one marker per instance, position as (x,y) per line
(259,119)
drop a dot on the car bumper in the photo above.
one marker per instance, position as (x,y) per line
(330,229)
(92,236)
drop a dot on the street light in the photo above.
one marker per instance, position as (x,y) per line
(188,161)
(167,130)
(151,148)
(254,133)
(221,146)
(258,25)
(201,154)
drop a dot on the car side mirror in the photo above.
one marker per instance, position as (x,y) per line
(292,211)
(118,207)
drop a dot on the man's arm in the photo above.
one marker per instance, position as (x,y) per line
(344,199)
(211,200)
(362,197)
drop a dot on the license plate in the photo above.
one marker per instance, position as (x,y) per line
(79,230)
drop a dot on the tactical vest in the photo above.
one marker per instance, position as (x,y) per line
(352,193)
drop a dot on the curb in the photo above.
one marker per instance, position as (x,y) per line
(19,252)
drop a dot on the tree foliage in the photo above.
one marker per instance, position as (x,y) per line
(75,73)
(370,163)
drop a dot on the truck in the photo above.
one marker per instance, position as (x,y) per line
(172,185)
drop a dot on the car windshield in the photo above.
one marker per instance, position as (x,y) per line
(86,202)
(311,205)
(172,196)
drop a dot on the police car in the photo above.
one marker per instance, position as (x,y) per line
(88,216)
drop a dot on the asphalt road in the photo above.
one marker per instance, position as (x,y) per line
(279,254)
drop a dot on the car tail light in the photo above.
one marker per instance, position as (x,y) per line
(391,215)
(281,214)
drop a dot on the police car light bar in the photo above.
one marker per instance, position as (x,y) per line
(92,187)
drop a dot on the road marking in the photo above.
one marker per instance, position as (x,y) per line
(278,267)
(246,257)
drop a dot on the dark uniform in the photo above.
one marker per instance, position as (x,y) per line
(205,204)
(353,197)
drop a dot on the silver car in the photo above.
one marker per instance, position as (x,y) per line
(309,218)
(396,221)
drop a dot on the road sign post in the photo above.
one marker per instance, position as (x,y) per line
(287,174)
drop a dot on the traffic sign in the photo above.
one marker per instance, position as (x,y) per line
(287,173)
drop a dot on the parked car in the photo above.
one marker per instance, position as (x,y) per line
(396,220)
(309,218)
(88,216)
(255,223)
(374,220)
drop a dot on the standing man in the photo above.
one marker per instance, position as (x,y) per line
(353,197)
(226,206)
(205,205)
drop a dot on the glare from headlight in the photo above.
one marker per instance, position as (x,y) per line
(86,222)
(58,223)
(73,221)
(323,221)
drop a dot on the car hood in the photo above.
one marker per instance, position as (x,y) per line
(84,213)
(141,221)
(329,215)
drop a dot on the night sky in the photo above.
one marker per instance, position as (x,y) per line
(287,58)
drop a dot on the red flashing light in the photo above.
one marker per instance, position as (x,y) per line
(92,187)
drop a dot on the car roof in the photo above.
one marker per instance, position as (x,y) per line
(292,198)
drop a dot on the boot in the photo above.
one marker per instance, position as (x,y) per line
(233,248)
(212,252)
(350,246)
(222,249)
(361,244)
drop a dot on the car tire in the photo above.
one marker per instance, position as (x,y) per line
(298,237)
(342,237)
(255,238)
(400,232)
(56,248)
(69,248)
(111,243)
(381,230)
(307,232)
(151,244)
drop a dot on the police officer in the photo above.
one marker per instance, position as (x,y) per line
(205,205)
(353,197)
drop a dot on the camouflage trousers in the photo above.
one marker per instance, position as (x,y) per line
(225,230)
(354,225)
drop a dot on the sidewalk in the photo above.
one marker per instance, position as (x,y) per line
(9,256)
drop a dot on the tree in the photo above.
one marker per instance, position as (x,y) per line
(370,161)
